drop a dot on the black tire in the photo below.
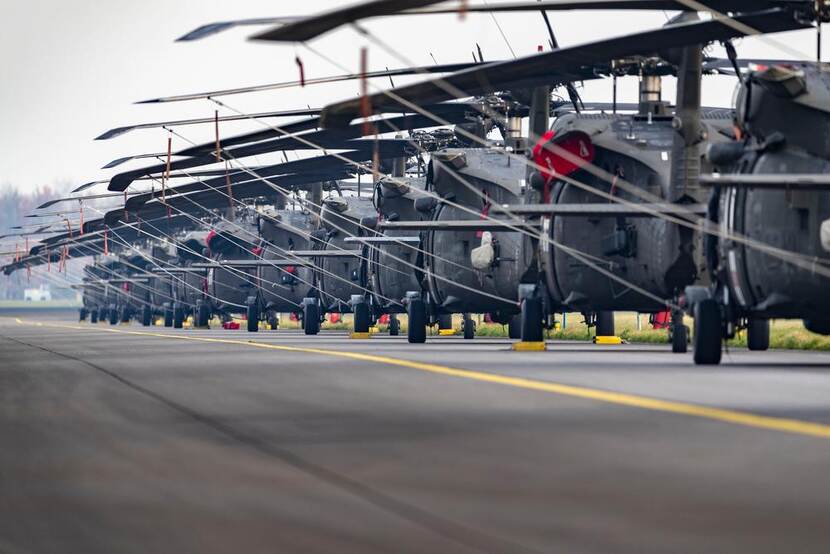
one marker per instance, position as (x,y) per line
(362,317)
(394,325)
(146,316)
(416,331)
(679,339)
(444,321)
(253,315)
(605,324)
(708,332)
(469,327)
(178,315)
(757,334)
(82,314)
(532,327)
(311,318)
(202,314)
(93,315)
(103,315)
(514,327)
(168,315)
(124,315)
(273,321)
(113,314)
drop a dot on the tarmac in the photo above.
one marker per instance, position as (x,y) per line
(132,439)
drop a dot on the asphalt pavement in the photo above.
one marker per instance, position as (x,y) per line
(131,439)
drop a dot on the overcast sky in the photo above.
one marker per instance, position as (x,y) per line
(73,69)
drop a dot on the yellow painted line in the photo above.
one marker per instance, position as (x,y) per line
(622,399)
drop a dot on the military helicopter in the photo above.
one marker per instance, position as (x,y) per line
(771,206)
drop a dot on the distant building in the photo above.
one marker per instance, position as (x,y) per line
(41,294)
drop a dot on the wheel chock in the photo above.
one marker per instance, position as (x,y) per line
(531,346)
(608,340)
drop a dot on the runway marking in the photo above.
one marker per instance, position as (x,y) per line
(623,399)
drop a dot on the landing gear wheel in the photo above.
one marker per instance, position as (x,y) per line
(124,315)
(679,334)
(708,332)
(273,321)
(113,313)
(146,316)
(416,311)
(514,328)
(531,317)
(469,327)
(178,316)
(679,339)
(93,315)
(362,317)
(311,318)
(82,314)
(168,315)
(394,325)
(202,314)
(605,324)
(253,314)
(757,334)
(444,322)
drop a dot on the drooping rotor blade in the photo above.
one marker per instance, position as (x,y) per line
(88,185)
(40,230)
(211,172)
(52,202)
(283,178)
(121,181)
(558,66)
(118,131)
(446,68)
(118,161)
(507,7)
(452,112)
(314,26)
(339,139)
(219,26)
(567,5)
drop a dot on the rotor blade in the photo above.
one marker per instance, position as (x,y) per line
(121,181)
(556,67)
(314,26)
(339,139)
(453,112)
(118,131)
(446,68)
(299,181)
(657,5)
(89,185)
(118,161)
(81,198)
(220,26)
